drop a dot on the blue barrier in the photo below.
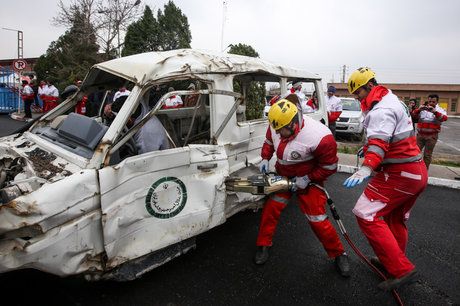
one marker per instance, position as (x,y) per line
(8,98)
(9,101)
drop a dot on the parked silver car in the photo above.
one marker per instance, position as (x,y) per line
(351,119)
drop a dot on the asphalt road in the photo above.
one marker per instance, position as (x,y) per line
(220,270)
(448,141)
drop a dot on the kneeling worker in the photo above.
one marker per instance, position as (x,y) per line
(306,151)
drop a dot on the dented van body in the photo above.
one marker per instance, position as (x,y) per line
(72,204)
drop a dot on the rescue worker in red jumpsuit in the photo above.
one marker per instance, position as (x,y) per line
(306,151)
(80,108)
(401,176)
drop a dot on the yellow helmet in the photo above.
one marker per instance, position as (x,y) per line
(281,113)
(360,78)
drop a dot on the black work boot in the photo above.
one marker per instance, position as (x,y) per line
(261,254)
(342,265)
(377,263)
(393,283)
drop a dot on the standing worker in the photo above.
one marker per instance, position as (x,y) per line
(306,151)
(392,152)
(430,117)
(173,101)
(297,89)
(412,107)
(80,108)
(28,97)
(334,108)
(52,96)
(42,92)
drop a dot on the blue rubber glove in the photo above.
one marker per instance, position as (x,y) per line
(360,152)
(357,178)
(264,166)
(301,182)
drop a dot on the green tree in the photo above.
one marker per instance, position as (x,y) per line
(69,58)
(174,28)
(242,49)
(256,90)
(142,35)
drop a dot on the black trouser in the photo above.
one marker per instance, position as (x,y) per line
(332,128)
(27,104)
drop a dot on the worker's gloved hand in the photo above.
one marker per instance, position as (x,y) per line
(357,178)
(264,166)
(301,182)
(360,152)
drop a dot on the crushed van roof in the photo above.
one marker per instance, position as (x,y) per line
(144,67)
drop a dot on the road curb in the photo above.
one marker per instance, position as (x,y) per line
(15,116)
(431,180)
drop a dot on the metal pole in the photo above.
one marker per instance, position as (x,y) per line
(20,55)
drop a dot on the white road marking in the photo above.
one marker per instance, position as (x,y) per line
(449,145)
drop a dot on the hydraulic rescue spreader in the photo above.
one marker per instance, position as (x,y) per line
(259,184)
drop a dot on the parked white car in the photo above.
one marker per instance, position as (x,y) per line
(351,119)
(73,204)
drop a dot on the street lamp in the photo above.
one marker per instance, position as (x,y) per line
(20,41)
(20,55)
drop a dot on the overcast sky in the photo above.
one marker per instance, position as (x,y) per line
(403,41)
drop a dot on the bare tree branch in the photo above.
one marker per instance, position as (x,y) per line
(108,18)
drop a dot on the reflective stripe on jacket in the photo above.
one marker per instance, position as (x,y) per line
(390,135)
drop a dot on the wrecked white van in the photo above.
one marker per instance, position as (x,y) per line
(73,204)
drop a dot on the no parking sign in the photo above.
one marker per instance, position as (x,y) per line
(19,64)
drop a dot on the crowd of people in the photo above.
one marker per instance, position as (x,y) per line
(306,152)
(46,91)
(89,104)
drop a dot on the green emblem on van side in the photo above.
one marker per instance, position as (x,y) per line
(166,198)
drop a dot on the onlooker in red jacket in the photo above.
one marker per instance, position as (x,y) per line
(334,108)
(80,108)
(312,104)
(430,118)
(28,97)
(42,92)
(173,101)
(52,96)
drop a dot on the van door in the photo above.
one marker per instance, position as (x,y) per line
(160,198)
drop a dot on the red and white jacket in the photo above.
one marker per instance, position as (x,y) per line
(312,105)
(27,92)
(52,94)
(173,102)
(430,123)
(334,108)
(390,134)
(42,91)
(312,151)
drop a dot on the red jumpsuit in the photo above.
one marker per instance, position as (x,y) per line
(312,152)
(80,108)
(392,151)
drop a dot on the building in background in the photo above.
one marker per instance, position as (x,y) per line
(29,71)
(449,94)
